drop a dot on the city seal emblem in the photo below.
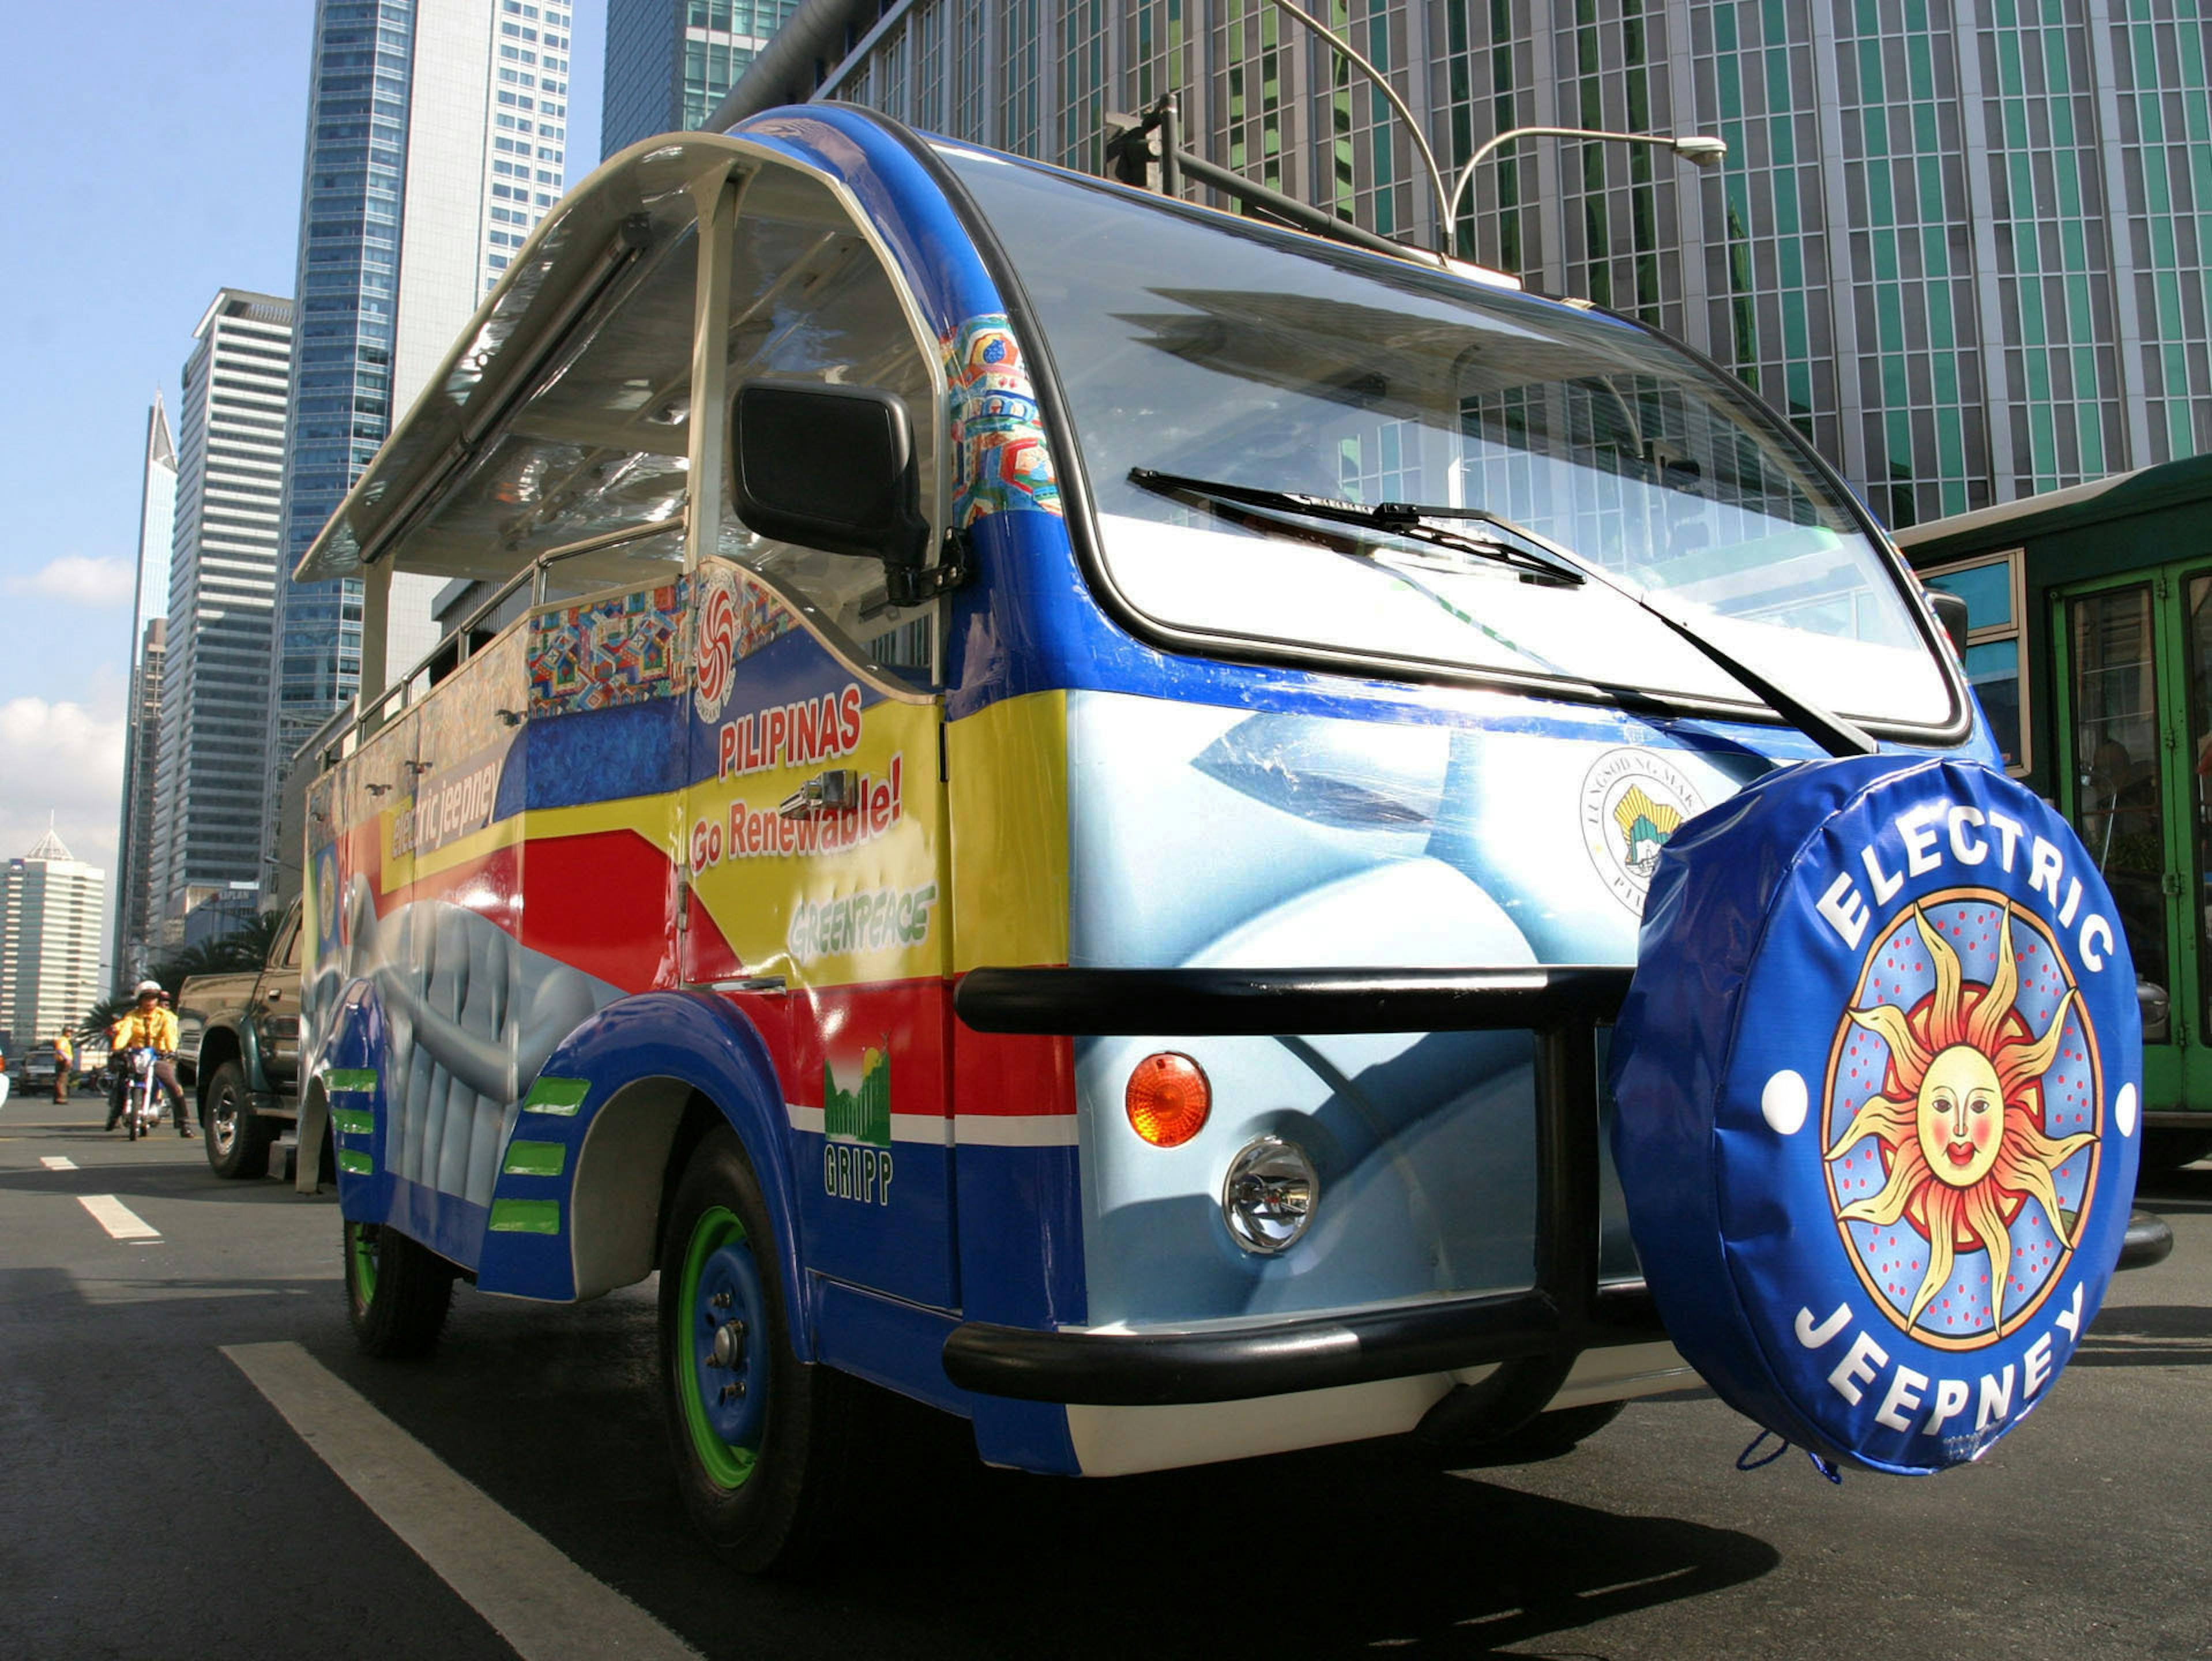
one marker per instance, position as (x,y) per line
(1879,1087)
(1633,801)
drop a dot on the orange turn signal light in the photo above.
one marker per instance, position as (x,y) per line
(1168,1098)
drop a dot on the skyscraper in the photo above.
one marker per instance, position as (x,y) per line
(222,582)
(1967,250)
(50,907)
(437,139)
(136,909)
(669,63)
(134,835)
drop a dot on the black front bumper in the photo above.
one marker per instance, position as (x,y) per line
(1532,1335)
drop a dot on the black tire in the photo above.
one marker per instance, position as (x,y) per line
(1547,1436)
(2167,1149)
(774,1497)
(237,1137)
(397,1292)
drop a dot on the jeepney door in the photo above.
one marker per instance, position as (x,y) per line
(815,846)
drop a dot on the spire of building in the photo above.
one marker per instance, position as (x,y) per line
(50,846)
(161,443)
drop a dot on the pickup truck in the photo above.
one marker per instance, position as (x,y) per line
(239,1039)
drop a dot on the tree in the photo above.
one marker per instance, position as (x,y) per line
(244,947)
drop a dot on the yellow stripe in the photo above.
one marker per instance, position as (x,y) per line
(1009,784)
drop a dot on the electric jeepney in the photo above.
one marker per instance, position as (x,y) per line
(1178,840)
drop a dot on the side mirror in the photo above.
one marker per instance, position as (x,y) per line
(832,467)
(1950,610)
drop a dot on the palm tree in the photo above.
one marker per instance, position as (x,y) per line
(244,947)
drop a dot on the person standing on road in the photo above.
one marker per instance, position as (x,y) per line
(65,1059)
(148,1025)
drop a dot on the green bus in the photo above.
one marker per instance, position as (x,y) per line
(2089,643)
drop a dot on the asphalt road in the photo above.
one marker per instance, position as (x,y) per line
(154,1503)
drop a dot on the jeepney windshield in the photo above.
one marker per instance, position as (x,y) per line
(1193,344)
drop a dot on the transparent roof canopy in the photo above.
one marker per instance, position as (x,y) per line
(565,415)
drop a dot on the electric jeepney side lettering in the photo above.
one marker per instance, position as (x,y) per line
(1859,1365)
(1952,1396)
(1962,815)
(1926,849)
(1919,827)
(1996,1398)
(2008,831)
(1884,886)
(1847,915)
(2044,869)
(1903,1398)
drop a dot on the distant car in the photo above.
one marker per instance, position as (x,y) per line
(238,1050)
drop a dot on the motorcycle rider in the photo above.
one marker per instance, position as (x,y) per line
(148,1025)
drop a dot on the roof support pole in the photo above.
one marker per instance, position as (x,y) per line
(375,624)
(716,193)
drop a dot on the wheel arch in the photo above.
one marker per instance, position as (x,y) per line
(628,1094)
(219,1044)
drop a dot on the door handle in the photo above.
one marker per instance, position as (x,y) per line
(838,786)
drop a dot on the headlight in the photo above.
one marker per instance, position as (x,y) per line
(1269,1195)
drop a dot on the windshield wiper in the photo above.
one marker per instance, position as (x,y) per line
(1538,557)
(1398,518)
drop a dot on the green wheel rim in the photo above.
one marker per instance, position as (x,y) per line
(360,1245)
(727,1464)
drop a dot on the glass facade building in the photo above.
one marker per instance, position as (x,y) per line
(213,765)
(1965,249)
(669,63)
(437,140)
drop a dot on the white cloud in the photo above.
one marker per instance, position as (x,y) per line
(65,760)
(79,580)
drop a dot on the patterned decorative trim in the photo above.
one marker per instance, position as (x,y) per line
(999,455)
(606,653)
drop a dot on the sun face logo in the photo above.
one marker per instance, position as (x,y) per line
(1965,1079)
(1633,801)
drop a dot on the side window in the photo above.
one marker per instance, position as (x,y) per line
(809,300)
(1996,643)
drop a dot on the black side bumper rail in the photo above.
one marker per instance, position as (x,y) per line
(1533,1336)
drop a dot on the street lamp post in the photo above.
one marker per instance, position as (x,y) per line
(1698,148)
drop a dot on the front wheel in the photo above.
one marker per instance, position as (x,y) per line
(762,1441)
(397,1292)
(237,1137)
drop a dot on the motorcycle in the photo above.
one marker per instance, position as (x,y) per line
(141,1095)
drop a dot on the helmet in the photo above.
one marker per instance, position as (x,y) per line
(144,987)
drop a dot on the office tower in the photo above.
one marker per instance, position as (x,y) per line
(1964,249)
(669,63)
(134,909)
(134,835)
(49,909)
(437,139)
(210,778)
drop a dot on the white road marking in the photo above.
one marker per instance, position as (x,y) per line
(533,1596)
(57,1162)
(116,1218)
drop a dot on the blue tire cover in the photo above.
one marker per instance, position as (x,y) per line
(1878,1002)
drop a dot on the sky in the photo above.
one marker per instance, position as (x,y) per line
(154,153)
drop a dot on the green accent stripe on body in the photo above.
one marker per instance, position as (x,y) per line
(526,1216)
(560,1096)
(353,1160)
(352,1121)
(535,1159)
(342,1079)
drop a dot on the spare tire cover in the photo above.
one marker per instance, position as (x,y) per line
(1878,1083)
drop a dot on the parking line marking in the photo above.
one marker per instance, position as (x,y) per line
(57,1162)
(533,1595)
(116,1218)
